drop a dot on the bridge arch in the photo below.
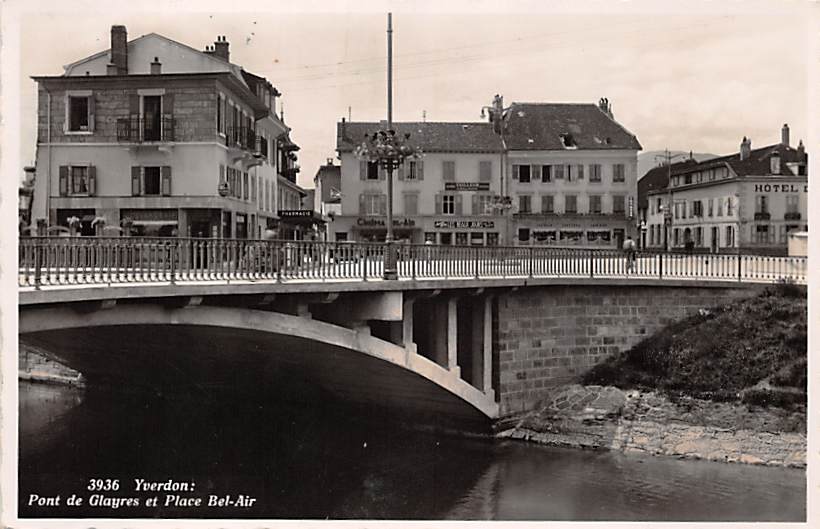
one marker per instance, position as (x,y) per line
(153,339)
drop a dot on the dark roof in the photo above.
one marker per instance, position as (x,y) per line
(540,126)
(331,178)
(757,164)
(253,80)
(431,137)
(657,178)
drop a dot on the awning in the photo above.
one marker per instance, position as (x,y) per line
(155,223)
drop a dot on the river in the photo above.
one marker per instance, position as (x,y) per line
(320,462)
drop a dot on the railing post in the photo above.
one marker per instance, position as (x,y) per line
(530,251)
(739,266)
(37,264)
(173,263)
(591,264)
(475,261)
(660,265)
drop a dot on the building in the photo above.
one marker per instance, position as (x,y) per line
(750,200)
(443,197)
(328,185)
(655,179)
(153,137)
(573,174)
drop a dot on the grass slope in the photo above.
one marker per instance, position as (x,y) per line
(754,349)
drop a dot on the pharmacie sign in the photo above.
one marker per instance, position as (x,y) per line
(781,188)
(377,222)
(464,224)
(291,213)
(466,186)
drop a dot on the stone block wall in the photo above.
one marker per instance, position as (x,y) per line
(550,335)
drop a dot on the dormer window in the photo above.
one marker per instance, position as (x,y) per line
(568,141)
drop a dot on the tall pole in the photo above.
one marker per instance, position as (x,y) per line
(390,265)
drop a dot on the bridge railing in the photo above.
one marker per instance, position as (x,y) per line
(103,260)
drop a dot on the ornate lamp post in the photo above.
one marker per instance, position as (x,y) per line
(502,202)
(389,151)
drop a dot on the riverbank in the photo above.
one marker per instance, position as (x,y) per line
(646,422)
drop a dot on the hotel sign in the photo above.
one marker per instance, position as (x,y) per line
(464,224)
(381,223)
(466,186)
(780,188)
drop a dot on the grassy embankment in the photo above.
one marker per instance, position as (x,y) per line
(753,351)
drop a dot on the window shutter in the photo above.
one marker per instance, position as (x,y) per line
(485,169)
(535,173)
(134,113)
(134,104)
(580,172)
(474,206)
(135,180)
(448,169)
(221,173)
(92,112)
(382,173)
(165,174)
(168,117)
(361,205)
(362,170)
(438,204)
(420,170)
(459,205)
(92,180)
(515,172)
(402,170)
(382,204)
(63,180)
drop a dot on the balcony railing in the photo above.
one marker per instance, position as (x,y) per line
(762,215)
(137,129)
(792,215)
(243,138)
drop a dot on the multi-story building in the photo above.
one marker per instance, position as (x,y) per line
(655,179)
(444,197)
(573,174)
(749,200)
(152,137)
(328,185)
(560,174)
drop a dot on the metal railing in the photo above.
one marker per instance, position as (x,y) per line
(243,137)
(140,130)
(49,261)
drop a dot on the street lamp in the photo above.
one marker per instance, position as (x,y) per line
(667,209)
(495,113)
(389,151)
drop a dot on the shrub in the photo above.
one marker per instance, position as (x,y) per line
(767,397)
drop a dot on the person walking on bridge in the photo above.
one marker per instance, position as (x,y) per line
(629,249)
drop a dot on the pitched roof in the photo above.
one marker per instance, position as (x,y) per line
(540,126)
(757,164)
(430,136)
(657,178)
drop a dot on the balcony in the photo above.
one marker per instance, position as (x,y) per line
(763,215)
(792,215)
(141,130)
(242,138)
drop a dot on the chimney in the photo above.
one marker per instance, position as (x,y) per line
(801,148)
(119,49)
(330,161)
(156,67)
(221,48)
(745,148)
(774,162)
(784,134)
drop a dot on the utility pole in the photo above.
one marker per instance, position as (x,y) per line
(667,156)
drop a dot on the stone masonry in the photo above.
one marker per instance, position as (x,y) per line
(550,335)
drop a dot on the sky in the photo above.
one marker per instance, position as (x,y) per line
(698,80)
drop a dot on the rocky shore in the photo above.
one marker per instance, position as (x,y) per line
(607,418)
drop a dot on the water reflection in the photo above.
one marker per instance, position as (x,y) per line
(329,464)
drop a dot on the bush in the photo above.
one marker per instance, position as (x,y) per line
(767,397)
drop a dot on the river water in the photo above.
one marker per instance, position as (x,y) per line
(319,462)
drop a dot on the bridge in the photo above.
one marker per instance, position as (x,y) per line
(465,332)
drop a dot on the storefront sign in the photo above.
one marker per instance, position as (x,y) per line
(464,224)
(466,186)
(780,188)
(291,213)
(380,222)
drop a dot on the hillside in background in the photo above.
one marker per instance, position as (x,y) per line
(647,160)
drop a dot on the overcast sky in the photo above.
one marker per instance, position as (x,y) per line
(695,81)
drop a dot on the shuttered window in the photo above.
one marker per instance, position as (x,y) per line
(448,170)
(485,168)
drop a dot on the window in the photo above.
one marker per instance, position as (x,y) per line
(730,236)
(151,181)
(546,173)
(411,170)
(219,110)
(547,204)
(485,168)
(371,204)
(558,172)
(687,179)
(730,207)
(524,234)
(761,204)
(761,234)
(618,206)
(711,207)
(483,205)
(522,173)
(78,113)
(448,204)
(79,180)
(595,204)
(659,205)
(411,204)
(571,204)
(372,171)
(595,172)
(720,207)
(698,236)
(448,170)
(618,174)
(792,203)
(524,204)
(697,208)
(570,174)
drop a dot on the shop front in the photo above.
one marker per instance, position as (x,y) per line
(578,231)
(300,224)
(150,222)
(463,232)
(374,229)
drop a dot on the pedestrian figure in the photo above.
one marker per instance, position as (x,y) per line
(629,249)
